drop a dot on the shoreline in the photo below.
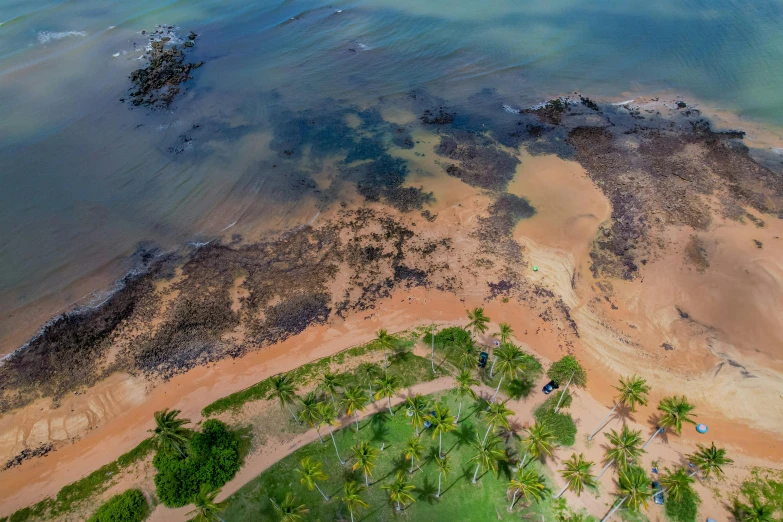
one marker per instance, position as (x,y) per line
(366,265)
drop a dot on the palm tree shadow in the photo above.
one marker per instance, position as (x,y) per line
(623,412)
(467,474)
(399,464)
(464,434)
(655,421)
(427,491)
(481,403)
(504,467)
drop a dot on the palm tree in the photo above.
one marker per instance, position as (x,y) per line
(757,511)
(289,510)
(170,432)
(468,357)
(413,450)
(710,460)
(386,342)
(464,381)
(529,484)
(352,497)
(577,475)
(311,473)
(624,448)
(331,383)
(675,410)
(505,336)
(365,456)
(309,412)
(284,391)
(327,415)
(441,422)
(388,385)
(368,372)
(540,442)
(206,508)
(354,401)
(634,485)
(511,360)
(497,415)
(478,321)
(488,454)
(633,391)
(677,483)
(399,491)
(417,407)
(443,465)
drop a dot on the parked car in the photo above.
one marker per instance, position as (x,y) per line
(548,387)
(427,423)
(657,493)
(483,356)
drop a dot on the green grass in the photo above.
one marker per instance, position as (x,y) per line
(460,499)
(76,492)
(561,423)
(410,369)
(765,485)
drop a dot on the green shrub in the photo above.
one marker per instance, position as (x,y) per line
(560,423)
(453,336)
(562,370)
(129,506)
(213,459)
(685,509)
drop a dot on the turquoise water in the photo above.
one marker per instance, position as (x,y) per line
(84,180)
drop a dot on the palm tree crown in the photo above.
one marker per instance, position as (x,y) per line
(497,416)
(625,447)
(441,422)
(352,496)
(365,456)
(388,385)
(385,342)
(469,355)
(488,454)
(417,407)
(354,400)
(331,383)
(284,391)
(757,511)
(539,442)
(464,383)
(478,320)
(577,474)
(633,390)
(677,483)
(206,508)
(676,410)
(710,460)
(400,491)
(505,332)
(413,450)
(443,465)
(635,485)
(527,483)
(289,510)
(170,433)
(311,474)
(510,362)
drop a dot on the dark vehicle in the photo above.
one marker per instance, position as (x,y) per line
(548,387)
(427,423)
(483,356)
(657,493)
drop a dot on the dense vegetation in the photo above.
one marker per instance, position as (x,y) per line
(129,506)
(561,423)
(212,458)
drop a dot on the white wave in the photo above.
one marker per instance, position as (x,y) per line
(45,37)
(512,110)
(363,47)
(778,151)
(626,102)
(199,244)
(112,27)
(229,226)
(339,11)
(115,55)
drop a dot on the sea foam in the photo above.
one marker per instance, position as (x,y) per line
(45,37)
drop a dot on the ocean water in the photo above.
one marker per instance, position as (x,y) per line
(85,180)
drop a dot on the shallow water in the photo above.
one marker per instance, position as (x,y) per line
(84,180)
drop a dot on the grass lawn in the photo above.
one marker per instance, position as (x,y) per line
(460,498)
